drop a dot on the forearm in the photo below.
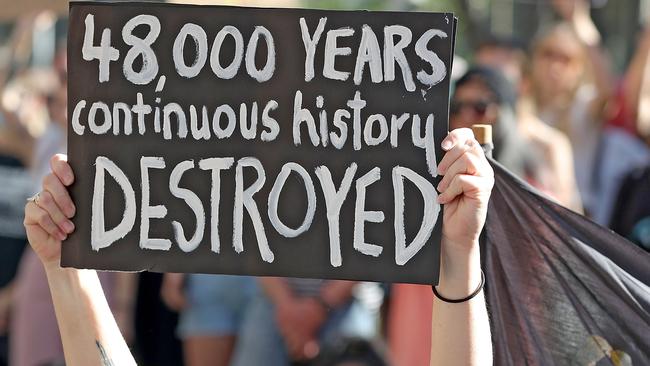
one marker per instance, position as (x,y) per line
(88,329)
(599,62)
(634,76)
(603,79)
(642,97)
(460,331)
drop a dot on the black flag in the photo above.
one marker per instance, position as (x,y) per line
(561,290)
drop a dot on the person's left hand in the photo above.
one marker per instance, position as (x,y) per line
(465,191)
(465,187)
(576,13)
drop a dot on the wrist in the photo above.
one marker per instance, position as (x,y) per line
(59,277)
(54,268)
(460,270)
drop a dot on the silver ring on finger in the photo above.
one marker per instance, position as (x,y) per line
(34,198)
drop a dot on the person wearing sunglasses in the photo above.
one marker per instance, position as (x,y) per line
(483,95)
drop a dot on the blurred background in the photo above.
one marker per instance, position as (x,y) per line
(565,83)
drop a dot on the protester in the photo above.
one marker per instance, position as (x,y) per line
(33,318)
(482,95)
(553,171)
(565,57)
(212,310)
(560,122)
(91,336)
(293,318)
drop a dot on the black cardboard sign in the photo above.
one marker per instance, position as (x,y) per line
(284,142)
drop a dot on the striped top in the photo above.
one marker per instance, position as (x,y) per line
(306,287)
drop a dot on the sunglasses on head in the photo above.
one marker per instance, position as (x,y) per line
(479,107)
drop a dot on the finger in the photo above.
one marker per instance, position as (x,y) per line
(471,186)
(455,137)
(465,164)
(467,146)
(46,202)
(60,167)
(53,184)
(35,215)
(36,234)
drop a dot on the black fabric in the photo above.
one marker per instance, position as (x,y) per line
(561,290)
(4,350)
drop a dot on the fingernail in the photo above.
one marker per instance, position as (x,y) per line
(62,236)
(71,210)
(68,226)
(446,145)
(68,179)
(440,200)
(439,187)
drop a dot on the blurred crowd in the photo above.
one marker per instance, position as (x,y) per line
(563,121)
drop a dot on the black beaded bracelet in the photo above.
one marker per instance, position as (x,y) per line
(455,301)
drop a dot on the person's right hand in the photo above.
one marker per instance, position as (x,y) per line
(47,218)
(299,320)
(576,13)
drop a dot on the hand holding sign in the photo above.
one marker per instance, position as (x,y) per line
(465,192)
(47,214)
(465,188)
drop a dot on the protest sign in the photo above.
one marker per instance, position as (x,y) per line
(284,142)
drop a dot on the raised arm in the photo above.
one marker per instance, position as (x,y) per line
(88,329)
(461,331)
(576,13)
